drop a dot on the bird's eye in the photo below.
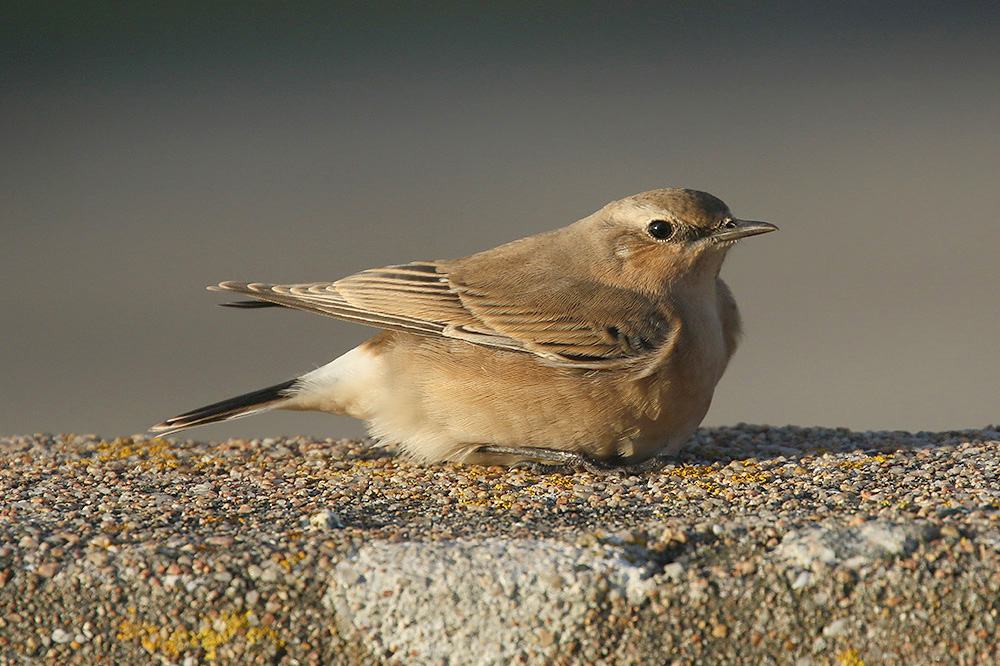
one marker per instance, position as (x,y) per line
(660,229)
(730,224)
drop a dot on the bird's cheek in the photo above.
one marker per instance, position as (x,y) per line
(641,271)
(623,249)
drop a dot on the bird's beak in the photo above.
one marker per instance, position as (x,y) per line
(737,229)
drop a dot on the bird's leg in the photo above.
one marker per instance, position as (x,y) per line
(554,460)
(624,466)
(545,461)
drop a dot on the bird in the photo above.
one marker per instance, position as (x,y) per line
(597,344)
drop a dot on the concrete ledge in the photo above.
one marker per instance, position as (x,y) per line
(767,545)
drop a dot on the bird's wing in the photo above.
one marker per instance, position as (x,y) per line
(414,298)
(570,322)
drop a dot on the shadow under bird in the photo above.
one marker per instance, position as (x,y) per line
(599,343)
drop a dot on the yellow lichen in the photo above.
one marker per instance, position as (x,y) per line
(288,562)
(210,636)
(156,452)
(867,460)
(850,658)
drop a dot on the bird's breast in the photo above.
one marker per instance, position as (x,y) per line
(701,353)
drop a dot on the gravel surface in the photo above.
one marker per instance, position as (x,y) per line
(761,545)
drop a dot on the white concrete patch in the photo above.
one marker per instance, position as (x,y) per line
(478,602)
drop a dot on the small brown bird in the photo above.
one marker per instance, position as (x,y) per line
(599,343)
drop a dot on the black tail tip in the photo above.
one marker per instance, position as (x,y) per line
(226,410)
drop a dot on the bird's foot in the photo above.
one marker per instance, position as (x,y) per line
(551,461)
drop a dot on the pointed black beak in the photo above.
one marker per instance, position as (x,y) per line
(733,230)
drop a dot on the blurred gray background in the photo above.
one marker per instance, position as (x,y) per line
(149,151)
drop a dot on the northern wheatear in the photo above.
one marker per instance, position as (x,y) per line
(599,343)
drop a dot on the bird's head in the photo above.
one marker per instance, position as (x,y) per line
(670,235)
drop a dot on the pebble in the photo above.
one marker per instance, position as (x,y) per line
(48,569)
(835,628)
(61,636)
(325,520)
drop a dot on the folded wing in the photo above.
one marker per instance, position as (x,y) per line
(567,322)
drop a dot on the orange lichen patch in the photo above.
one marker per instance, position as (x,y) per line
(288,562)
(558,481)
(712,480)
(867,460)
(504,493)
(850,658)
(751,477)
(156,452)
(211,634)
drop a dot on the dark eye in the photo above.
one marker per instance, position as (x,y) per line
(730,224)
(660,229)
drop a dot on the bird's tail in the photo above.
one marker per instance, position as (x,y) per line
(242,405)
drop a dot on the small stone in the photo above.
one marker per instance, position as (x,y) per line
(48,570)
(950,531)
(325,520)
(101,541)
(835,628)
(99,558)
(61,636)
(674,571)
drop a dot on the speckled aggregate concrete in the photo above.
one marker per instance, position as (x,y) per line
(763,545)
